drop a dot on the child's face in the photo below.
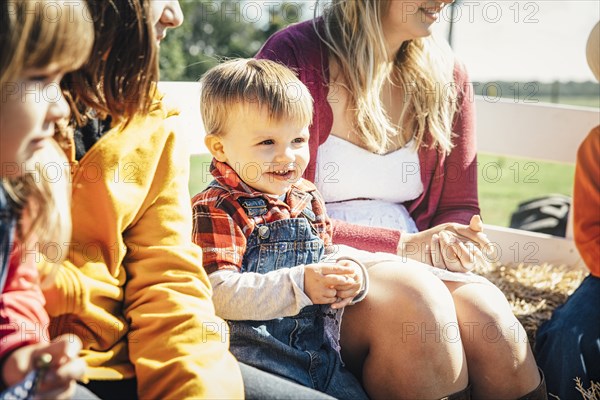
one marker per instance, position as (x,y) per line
(267,155)
(29,107)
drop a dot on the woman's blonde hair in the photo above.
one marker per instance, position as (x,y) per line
(422,67)
(35,34)
(265,84)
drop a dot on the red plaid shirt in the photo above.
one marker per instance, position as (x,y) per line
(222,227)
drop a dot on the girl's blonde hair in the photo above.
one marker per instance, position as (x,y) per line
(35,34)
(264,84)
(42,200)
(422,67)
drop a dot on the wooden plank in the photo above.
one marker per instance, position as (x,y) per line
(533,131)
(514,246)
(185,96)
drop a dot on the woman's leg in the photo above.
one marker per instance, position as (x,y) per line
(501,364)
(399,339)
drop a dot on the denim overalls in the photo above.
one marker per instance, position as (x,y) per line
(299,347)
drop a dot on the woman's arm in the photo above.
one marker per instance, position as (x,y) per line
(459,200)
(366,237)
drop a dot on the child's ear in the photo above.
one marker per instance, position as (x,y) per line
(215,146)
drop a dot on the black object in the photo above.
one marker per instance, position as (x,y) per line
(7,227)
(548,214)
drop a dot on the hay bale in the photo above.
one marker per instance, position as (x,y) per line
(534,291)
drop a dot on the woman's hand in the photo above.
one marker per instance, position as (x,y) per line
(59,380)
(451,246)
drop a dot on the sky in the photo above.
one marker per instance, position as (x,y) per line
(523,40)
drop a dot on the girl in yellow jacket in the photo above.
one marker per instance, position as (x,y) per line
(132,287)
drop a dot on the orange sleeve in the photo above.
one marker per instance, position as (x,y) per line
(586,201)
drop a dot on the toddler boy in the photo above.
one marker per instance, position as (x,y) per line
(263,229)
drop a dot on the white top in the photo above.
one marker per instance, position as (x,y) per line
(367,188)
(346,171)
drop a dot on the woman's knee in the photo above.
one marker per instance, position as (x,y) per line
(404,304)
(407,290)
(487,320)
(480,303)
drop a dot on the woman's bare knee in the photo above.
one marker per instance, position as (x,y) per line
(402,328)
(498,354)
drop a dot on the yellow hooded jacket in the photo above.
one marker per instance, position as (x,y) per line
(133,287)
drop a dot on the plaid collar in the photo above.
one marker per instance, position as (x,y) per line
(296,199)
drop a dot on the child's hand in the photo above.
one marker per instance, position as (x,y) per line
(345,293)
(59,380)
(321,280)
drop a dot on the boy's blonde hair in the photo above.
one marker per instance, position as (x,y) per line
(423,67)
(264,84)
(35,34)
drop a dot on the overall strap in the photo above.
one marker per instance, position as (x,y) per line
(254,206)
(307,212)
(310,216)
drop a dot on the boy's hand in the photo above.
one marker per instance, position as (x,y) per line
(322,279)
(345,293)
(60,379)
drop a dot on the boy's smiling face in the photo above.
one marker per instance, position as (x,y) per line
(267,155)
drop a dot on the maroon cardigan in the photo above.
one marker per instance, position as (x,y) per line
(449,181)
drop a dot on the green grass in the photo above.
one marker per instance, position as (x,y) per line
(586,101)
(199,177)
(503,182)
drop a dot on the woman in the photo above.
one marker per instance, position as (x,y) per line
(393,98)
(133,285)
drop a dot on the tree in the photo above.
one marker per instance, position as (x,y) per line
(214,30)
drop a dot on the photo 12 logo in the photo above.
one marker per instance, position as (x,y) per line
(51,11)
(525,12)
